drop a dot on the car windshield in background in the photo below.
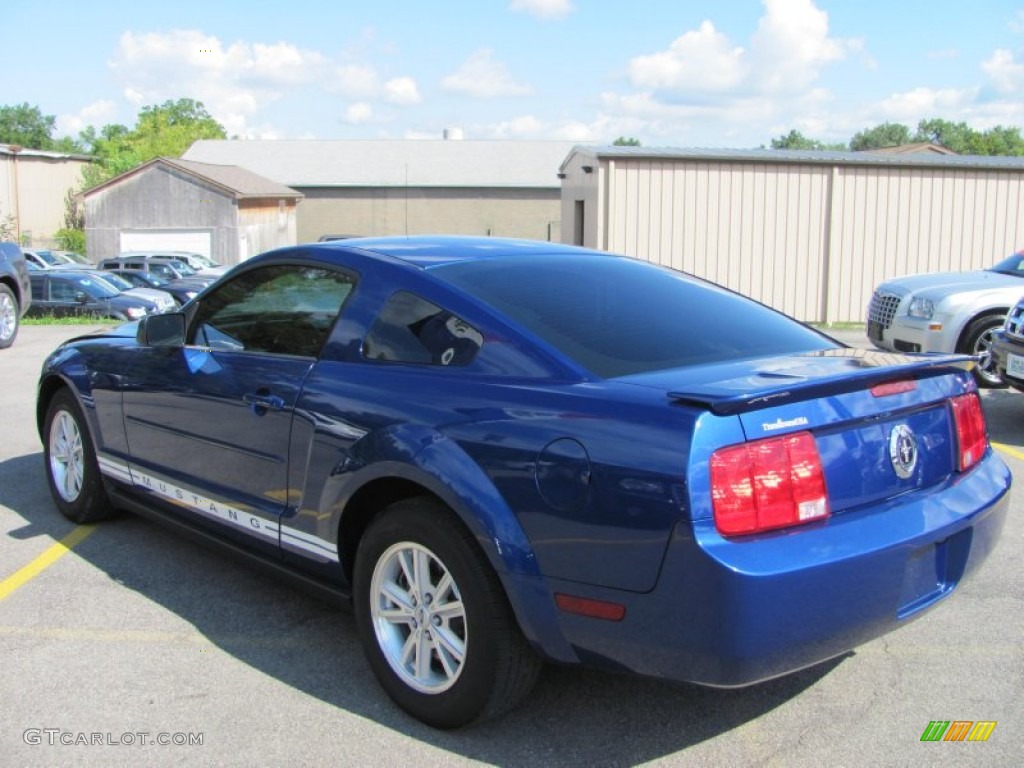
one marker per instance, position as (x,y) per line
(621,316)
(182,267)
(1011,265)
(98,289)
(116,281)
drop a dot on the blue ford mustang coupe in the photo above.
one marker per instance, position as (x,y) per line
(503,452)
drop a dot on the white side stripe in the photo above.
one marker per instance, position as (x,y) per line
(292,538)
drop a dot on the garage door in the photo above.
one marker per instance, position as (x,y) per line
(167,240)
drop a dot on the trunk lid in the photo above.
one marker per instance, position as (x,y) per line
(876,441)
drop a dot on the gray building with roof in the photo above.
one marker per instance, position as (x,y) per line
(394,187)
(222,211)
(807,232)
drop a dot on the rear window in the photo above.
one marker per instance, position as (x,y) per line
(617,316)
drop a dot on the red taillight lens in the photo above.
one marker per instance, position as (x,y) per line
(766,484)
(971,434)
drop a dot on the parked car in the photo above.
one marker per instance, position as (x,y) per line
(182,289)
(169,266)
(37,258)
(503,451)
(162,299)
(947,312)
(15,292)
(197,262)
(58,293)
(1008,347)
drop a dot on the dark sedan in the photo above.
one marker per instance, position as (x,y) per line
(15,292)
(182,289)
(57,293)
(1008,347)
(506,451)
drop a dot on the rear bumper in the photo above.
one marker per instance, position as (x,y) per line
(732,613)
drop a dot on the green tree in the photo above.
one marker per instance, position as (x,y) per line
(164,130)
(796,140)
(623,141)
(880,137)
(959,137)
(1001,140)
(26,126)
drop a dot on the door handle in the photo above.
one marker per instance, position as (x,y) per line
(263,401)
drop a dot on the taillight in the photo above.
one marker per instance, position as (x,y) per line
(971,437)
(767,484)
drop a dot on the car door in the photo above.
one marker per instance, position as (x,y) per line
(208,425)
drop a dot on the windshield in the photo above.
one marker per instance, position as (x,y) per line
(181,267)
(116,281)
(1011,265)
(98,289)
(617,316)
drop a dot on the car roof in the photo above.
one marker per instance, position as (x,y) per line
(435,250)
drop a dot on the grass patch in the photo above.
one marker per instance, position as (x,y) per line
(74,320)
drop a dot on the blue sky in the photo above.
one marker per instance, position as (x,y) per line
(684,73)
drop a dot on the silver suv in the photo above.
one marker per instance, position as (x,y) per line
(15,292)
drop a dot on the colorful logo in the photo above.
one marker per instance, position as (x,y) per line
(958,730)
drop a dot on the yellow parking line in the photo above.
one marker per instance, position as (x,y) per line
(45,560)
(1015,452)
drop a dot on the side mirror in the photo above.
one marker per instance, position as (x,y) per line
(166,330)
(82,297)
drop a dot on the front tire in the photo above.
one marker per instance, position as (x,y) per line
(71,468)
(977,340)
(10,317)
(434,621)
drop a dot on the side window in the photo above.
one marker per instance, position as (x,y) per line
(62,290)
(284,310)
(412,330)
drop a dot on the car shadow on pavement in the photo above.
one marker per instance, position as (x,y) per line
(573,716)
(1004,412)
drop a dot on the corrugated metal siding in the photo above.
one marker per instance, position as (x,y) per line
(888,222)
(812,240)
(756,229)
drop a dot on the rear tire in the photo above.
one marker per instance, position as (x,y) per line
(71,468)
(434,621)
(977,340)
(10,316)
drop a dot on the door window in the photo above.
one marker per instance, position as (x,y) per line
(282,309)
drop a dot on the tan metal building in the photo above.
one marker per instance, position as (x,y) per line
(224,212)
(809,233)
(33,187)
(356,188)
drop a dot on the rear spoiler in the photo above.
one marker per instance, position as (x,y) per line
(766,388)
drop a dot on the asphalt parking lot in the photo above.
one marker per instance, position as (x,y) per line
(135,647)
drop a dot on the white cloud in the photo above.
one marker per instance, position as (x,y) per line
(912,106)
(402,90)
(785,56)
(237,81)
(701,60)
(1006,73)
(98,113)
(483,77)
(358,113)
(543,9)
(792,44)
